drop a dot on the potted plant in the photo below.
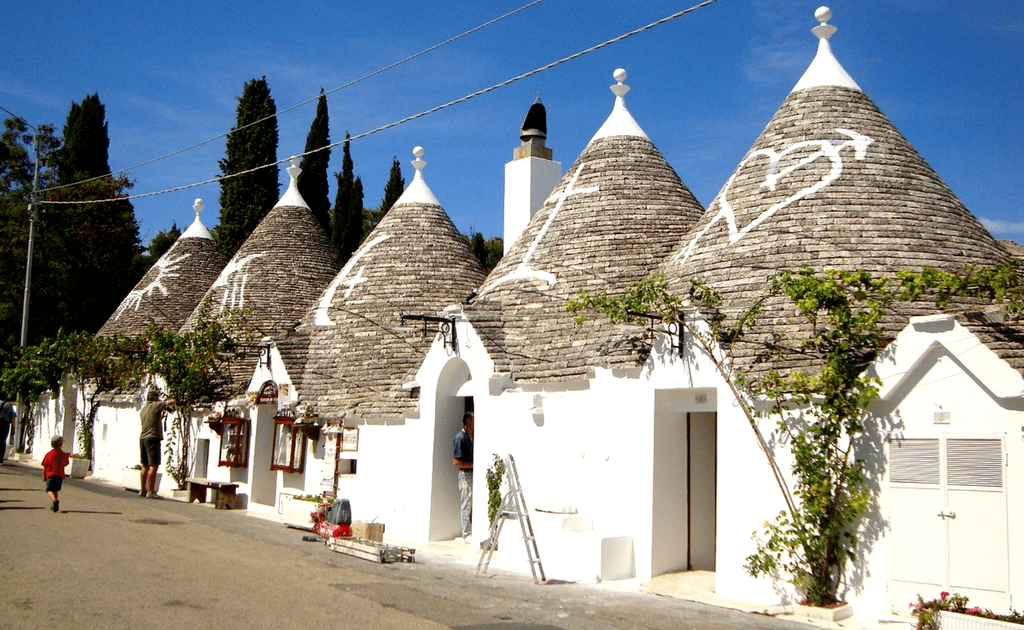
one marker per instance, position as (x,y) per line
(296,509)
(78,466)
(951,612)
(130,478)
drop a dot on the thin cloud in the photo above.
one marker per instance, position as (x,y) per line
(1001,227)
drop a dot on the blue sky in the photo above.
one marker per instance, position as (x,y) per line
(949,74)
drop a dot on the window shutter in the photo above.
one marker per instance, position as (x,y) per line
(974,463)
(914,461)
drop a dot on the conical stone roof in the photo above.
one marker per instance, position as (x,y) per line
(830,183)
(173,286)
(360,354)
(614,216)
(278,272)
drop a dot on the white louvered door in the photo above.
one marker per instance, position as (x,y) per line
(948,519)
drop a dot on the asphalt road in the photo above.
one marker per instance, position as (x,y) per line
(110,559)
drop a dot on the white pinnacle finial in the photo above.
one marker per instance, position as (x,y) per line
(197,229)
(418,163)
(292,197)
(620,122)
(619,89)
(418,191)
(823,30)
(825,69)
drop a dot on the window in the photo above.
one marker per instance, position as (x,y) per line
(289,446)
(234,443)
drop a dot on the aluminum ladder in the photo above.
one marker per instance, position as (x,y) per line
(513,506)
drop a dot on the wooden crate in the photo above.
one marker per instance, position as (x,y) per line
(372,551)
(368,531)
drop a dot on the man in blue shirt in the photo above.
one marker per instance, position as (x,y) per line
(462,459)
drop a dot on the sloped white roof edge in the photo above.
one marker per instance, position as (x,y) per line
(197,230)
(903,360)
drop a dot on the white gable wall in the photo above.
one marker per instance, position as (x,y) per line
(941,383)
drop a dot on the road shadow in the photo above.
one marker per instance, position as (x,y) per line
(19,489)
(88,512)
(21,507)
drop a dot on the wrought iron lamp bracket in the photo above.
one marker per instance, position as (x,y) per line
(446,326)
(675,330)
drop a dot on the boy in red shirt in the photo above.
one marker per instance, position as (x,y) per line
(54,464)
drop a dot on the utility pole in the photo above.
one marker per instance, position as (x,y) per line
(33,208)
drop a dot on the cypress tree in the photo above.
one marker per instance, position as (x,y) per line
(347,214)
(354,214)
(246,199)
(85,153)
(313,184)
(392,191)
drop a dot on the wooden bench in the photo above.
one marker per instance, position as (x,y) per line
(223,491)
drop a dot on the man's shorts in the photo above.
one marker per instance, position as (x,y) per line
(149,451)
(54,483)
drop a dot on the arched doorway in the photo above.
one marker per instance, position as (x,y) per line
(449,407)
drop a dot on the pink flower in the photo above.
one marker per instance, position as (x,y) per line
(944,595)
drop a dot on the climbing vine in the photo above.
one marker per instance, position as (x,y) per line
(820,411)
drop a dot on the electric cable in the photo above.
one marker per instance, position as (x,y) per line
(309,100)
(412,117)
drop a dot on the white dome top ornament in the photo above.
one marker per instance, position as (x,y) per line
(197,229)
(291,196)
(418,191)
(620,122)
(825,69)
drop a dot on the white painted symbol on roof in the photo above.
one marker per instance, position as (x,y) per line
(233,279)
(322,318)
(827,148)
(166,268)
(524,270)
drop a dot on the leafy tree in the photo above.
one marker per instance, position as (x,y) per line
(822,412)
(392,191)
(245,199)
(347,215)
(312,182)
(83,256)
(97,366)
(17,168)
(488,252)
(162,242)
(194,367)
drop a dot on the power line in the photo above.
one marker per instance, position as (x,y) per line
(427,112)
(309,100)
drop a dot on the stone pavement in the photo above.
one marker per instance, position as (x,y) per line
(446,558)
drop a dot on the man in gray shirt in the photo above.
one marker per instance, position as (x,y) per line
(149,441)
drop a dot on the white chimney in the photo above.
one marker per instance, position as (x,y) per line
(530,176)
